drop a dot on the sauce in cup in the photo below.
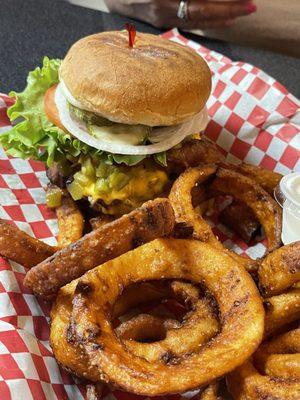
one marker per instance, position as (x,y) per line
(287,194)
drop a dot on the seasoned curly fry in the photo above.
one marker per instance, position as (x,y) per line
(244,189)
(187,217)
(280,270)
(65,348)
(198,327)
(281,356)
(141,328)
(267,179)
(247,383)
(67,351)
(274,370)
(271,374)
(281,310)
(155,218)
(70,221)
(18,246)
(240,308)
(203,151)
(140,293)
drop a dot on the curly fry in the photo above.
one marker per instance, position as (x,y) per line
(281,310)
(70,221)
(240,307)
(198,327)
(277,376)
(280,270)
(187,217)
(155,218)
(244,189)
(281,356)
(22,248)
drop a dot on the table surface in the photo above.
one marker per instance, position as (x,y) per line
(32,29)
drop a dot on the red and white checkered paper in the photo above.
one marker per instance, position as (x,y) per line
(253,119)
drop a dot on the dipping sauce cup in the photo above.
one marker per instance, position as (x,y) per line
(287,194)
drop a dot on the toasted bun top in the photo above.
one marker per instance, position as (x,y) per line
(157,82)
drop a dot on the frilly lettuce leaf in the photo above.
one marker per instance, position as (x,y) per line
(34,136)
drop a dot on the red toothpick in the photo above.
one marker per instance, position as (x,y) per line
(131,34)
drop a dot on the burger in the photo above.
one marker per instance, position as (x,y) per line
(108,119)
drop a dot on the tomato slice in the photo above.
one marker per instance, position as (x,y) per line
(50,108)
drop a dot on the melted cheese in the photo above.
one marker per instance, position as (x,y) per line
(119,189)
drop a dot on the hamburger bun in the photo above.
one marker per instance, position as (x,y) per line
(157,82)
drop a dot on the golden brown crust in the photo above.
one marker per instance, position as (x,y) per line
(181,200)
(157,82)
(65,350)
(186,215)
(280,270)
(137,294)
(139,328)
(18,246)
(246,383)
(281,310)
(70,221)
(265,209)
(280,357)
(270,374)
(238,299)
(200,324)
(154,219)
(267,179)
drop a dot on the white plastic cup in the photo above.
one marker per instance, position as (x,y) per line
(287,195)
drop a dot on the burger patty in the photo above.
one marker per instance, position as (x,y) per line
(56,177)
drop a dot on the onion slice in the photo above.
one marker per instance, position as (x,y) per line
(162,138)
(71,99)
